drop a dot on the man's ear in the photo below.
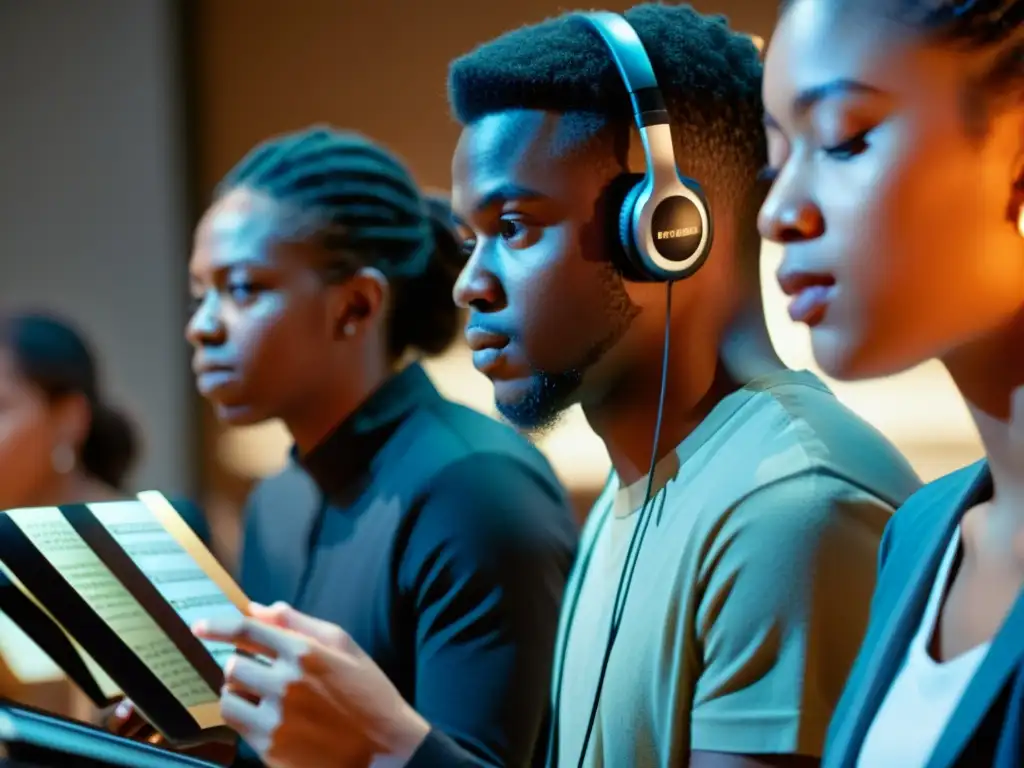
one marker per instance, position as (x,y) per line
(358,302)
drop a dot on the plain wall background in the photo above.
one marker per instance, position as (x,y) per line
(92,200)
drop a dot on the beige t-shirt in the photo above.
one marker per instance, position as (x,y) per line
(751,591)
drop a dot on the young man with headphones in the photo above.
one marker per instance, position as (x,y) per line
(723,580)
(725,573)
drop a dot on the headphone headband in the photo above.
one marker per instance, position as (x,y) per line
(634,66)
(665,225)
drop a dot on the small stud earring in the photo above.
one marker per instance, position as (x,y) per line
(63,459)
(349,329)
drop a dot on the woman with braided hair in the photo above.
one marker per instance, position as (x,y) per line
(896,145)
(435,538)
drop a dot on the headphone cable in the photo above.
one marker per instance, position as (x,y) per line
(628,568)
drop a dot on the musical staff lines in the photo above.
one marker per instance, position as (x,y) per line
(171,569)
(83,570)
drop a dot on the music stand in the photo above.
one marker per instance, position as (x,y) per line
(33,739)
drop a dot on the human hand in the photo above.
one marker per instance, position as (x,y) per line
(319,701)
(128,722)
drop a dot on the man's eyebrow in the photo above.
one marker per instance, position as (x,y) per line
(498,195)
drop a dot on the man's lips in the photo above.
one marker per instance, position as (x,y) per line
(486,360)
(491,354)
(479,340)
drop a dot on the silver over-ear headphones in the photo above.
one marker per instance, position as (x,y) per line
(665,233)
(665,225)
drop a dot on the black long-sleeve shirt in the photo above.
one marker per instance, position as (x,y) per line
(440,541)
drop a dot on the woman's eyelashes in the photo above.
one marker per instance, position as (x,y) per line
(243,291)
(849,148)
(845,150)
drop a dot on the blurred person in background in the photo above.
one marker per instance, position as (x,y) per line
(439,539)
(896,145)
(61,442)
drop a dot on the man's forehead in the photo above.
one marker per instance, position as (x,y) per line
(507,139)
(525,147)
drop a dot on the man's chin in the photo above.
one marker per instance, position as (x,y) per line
(536,404)
(530,423)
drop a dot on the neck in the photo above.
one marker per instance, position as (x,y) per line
(989,373)
(318,415)
(705,365)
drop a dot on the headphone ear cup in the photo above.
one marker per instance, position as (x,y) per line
(626,237)
(619,203)
(612,209)
(694,186)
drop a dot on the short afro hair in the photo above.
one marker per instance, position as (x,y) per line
(709,75)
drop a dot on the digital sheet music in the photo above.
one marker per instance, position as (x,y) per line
(55,538)
(29,662)
(166,563)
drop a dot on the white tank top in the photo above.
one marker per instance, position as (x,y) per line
(924,693)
